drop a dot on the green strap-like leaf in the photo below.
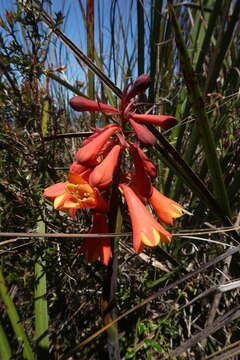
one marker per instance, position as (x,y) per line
(40,304)
(5,349)
(15,320)
(197,104)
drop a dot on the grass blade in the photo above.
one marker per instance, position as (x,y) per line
(53,76)
(45,115)
(5,350)
(40,304)
(209,32)
(154,39)
(190,275)
(90,44)
(15,319)
(140,24)
(221,49)
(197,104)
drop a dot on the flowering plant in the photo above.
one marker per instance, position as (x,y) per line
(101,159)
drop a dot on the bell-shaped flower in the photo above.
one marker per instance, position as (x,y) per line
(102,174)
(99,247)
(88,153)
(164,121)
(75,193)
(80,103)
(141,180)
(146,230)
(165,208)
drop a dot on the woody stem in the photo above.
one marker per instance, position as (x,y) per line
(110,285)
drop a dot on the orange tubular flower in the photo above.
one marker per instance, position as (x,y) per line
(141,181)
(98,247)
(97,131)
(146,230)
(80,103)
(165,208)
(75,193)
(102,174)
(89,152)
(164,121)
(147,163)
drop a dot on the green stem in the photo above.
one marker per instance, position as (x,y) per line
(154,39)
(110,284)
(90,50)
(15,319)
(40,304)
(5,350)
(140,25)
(221,48)
(63,82)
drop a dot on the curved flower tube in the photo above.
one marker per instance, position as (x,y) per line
(147,163)
(96,132)
(97,247)
(140,181)
(165,208)
(80,103)
(88,153)
(102,174)
(146,230)
(164,121)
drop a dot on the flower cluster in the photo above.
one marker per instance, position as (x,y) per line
(100,158)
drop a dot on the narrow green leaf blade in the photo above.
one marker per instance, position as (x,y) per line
(5,349)
(40,304)
(197,104)
(15,320)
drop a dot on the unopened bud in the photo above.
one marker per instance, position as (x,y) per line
(139,86)
(141,83)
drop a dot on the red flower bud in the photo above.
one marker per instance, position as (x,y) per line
(143,134)
(141,181)
(165,121)
(89,152)
(102,174)
(80,103)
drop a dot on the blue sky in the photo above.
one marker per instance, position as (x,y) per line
(74,28)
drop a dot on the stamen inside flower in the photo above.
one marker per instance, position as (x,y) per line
(80,191)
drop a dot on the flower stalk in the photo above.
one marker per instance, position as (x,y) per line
(99,181)
(97,171)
